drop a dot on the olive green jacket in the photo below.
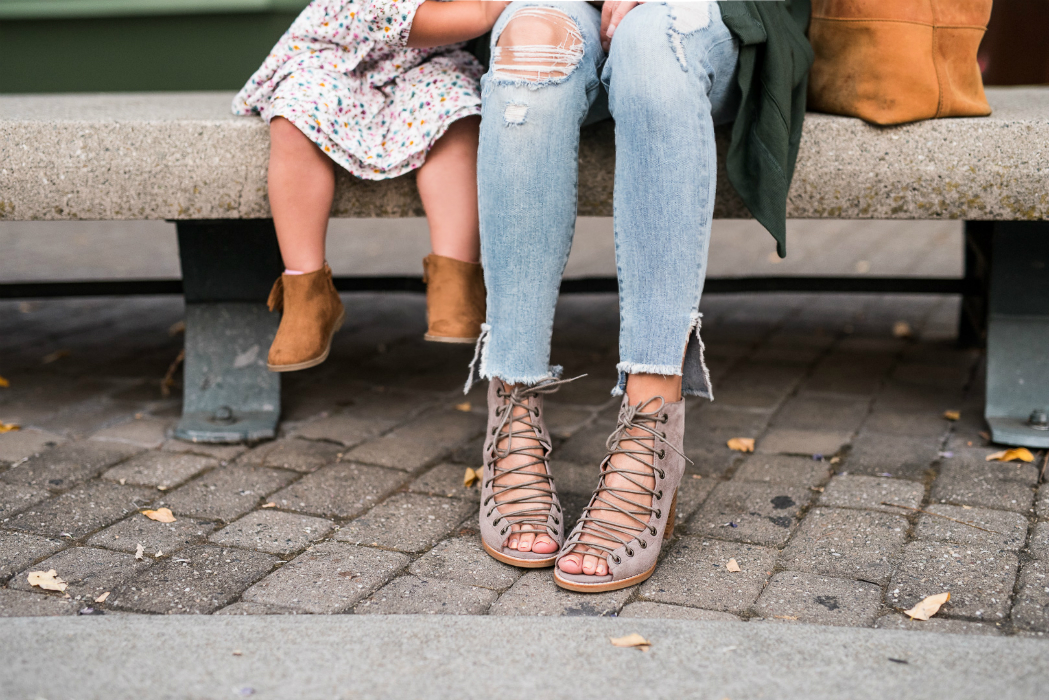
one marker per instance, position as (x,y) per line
(774,63)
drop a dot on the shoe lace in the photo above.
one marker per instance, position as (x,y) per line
(646,437)
(512,431)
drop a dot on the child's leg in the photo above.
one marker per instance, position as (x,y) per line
(447,184)
(302,186)
(301,189)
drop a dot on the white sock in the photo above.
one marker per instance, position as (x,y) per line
(293,272)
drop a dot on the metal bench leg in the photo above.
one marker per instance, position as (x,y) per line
(1018,335)
(972,325)
(227,270)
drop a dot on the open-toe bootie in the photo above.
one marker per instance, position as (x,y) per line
(517,442)
(648,439)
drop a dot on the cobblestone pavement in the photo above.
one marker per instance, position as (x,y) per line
(359,506)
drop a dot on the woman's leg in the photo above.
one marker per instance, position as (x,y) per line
(301,190)
(447,184)
(543,80)
(670,74)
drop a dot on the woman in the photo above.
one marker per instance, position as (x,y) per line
(671,72)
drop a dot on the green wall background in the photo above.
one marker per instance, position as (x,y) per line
(136,45)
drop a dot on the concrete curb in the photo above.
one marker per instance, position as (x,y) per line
(473,657)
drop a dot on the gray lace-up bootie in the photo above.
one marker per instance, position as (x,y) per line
(533,504)
(631,550)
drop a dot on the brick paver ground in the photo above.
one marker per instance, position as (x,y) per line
(359,506)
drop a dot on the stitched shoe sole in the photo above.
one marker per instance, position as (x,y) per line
(602,587)
(445,339)
(522,563)
(316,360)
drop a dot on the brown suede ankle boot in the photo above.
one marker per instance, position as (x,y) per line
(455,299)
(312,313)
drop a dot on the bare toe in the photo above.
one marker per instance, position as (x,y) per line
(589,564)
(602,567)
(525,545)
(544,545)
(514,537)
(571,564)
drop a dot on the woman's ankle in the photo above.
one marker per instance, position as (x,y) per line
(642,387)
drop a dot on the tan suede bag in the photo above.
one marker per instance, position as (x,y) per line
(898,61)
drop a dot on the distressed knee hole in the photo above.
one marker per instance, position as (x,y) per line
(686,19)
(538,44)
(515,113)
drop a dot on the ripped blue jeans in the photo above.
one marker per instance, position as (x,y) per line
(669,77)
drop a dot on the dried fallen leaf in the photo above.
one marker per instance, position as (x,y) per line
(901,329)
(48,580)
(139,551)
(4,383)
(161,515)
(985,435)
(952,415)
(697,476)
(785,617)
(1017,453)
(54,356)
(271,504)
(9,427)
(464,407)
(238,652)
(176,328)
(732,566)
(168,382)
(102,598)
(471,476)
(158,555)
(928,607)
(741,444)
(631,640)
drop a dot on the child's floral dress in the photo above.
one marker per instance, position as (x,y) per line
(343,74)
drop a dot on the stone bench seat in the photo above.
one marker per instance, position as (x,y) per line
(184,157)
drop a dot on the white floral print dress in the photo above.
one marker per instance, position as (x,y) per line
(343,74)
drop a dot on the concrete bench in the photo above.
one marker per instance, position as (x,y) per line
(184,157)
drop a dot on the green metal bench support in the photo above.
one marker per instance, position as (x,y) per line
(1018,334)
(227,269)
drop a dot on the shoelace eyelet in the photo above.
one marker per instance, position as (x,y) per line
(666,417)
(659,514)
(537,413)
(556,521)
(659,496)
(644,545)
(630,552)
(662,454)
(662,474)
(503,531)
(617,560)
(652,530)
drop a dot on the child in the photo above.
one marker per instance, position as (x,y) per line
(380,88)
